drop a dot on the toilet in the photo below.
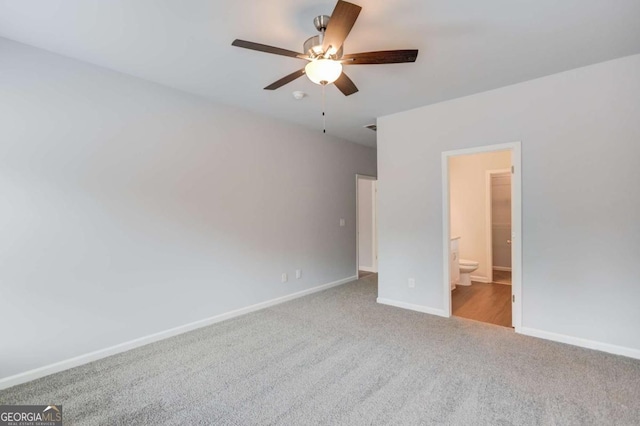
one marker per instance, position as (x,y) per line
(466,268)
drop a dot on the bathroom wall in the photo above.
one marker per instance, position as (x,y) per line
(468,192)
(580,133)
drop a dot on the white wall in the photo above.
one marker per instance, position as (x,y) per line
(127,208)
(365,224)
(580,136)
(468,198)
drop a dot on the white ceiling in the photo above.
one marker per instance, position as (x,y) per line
(466,46)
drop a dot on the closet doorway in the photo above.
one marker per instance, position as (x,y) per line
(498,228)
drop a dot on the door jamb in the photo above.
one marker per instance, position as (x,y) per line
(374,223)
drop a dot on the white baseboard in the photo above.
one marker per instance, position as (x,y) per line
(480,279)
(578,341)
(502,268)
(367,268)
(37,373)
(412,307)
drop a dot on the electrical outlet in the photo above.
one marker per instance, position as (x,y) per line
(285,278)
(298,273)
(342,222)
(412,283)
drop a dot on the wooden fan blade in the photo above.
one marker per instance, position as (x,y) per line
(345,85)
(284,80)
(340,24)
(381,57)
(264,48)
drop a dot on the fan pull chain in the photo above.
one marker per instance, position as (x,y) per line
(324,118)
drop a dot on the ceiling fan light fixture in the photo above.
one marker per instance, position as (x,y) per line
(323,71)
(325,51)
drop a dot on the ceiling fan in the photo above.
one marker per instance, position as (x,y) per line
(325,51)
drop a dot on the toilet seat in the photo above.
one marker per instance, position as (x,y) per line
(465,262)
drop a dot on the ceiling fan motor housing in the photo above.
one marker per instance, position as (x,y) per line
(313,47)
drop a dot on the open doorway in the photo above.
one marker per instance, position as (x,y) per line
(366,226)
(498,230)
(482,228)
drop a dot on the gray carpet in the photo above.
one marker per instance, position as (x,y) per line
(337,357)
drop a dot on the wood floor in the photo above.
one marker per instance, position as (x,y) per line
(362,274)
(502,277)
(483,302)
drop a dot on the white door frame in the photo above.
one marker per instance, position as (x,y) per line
(374,223)
(516,225)
(489,213)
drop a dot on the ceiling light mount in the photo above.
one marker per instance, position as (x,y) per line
(321,22)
